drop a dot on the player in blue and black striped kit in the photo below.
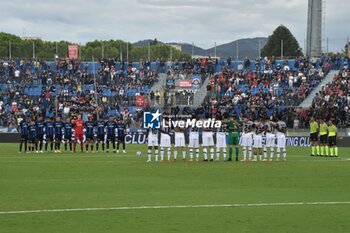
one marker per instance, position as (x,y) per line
(68,134)
(59,125)
(121,134)
(100,134)
(111,126)
(90,132)
(40,124)
(32,136)
(49,132)
(23,128)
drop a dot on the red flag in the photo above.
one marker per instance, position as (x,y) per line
(73,51)
(140,101)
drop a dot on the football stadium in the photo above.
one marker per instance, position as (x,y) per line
(100,134)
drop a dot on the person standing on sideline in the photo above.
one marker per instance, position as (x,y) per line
(68,132)
(40,124)
(23,128)
(49,133)
(332,139)
(315,150)
(59,125)
(323,138)
(78,126)
(233,137)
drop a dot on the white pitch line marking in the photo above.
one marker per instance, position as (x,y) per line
(171,207)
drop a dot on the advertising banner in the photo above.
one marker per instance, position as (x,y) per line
(140,138)
(186,84)
(73,51)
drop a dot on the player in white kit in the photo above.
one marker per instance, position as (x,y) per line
(221,141)
(194,143)
(180,143)
(281,128)
(165,142)
(257,141)
(247,139)
(153,143)
(208,143)
(270,140)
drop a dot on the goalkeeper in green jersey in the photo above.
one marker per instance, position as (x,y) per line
(233,137)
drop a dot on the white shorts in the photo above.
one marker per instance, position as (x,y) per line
(257,141)
(220,140)
(194,140)
(165,140)
(281,140)
(179,139)
(270,140)
(247,139)
(208,139)
(152,140)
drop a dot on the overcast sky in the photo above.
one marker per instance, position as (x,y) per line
(200,21)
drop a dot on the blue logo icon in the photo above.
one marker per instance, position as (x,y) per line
(151,120)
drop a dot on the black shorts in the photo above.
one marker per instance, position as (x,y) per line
(314,137)
(40,137)
(324,139)
(24,137)
(49,138)
(121,138)
(68,138)
(101,137)
(32,140)
(332,140)
(111,137)
(89,137)
(58,137)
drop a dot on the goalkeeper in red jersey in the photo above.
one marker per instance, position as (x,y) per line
(78,126)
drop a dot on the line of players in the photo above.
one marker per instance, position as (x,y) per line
(54,131)
(323,138)
(228,134)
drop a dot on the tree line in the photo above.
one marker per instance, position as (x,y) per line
(118,49)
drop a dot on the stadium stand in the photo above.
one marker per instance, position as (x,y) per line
(262,88)
(333,101)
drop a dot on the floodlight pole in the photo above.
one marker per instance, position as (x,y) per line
(127,52)
(95,85)
(171,53)
(33,49)
(103,52)
(281,49)
(10,52)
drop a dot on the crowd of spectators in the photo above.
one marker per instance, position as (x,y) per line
(266,89)
(269,90)
(333,101)
(34,87)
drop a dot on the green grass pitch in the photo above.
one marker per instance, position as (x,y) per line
(70,181)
